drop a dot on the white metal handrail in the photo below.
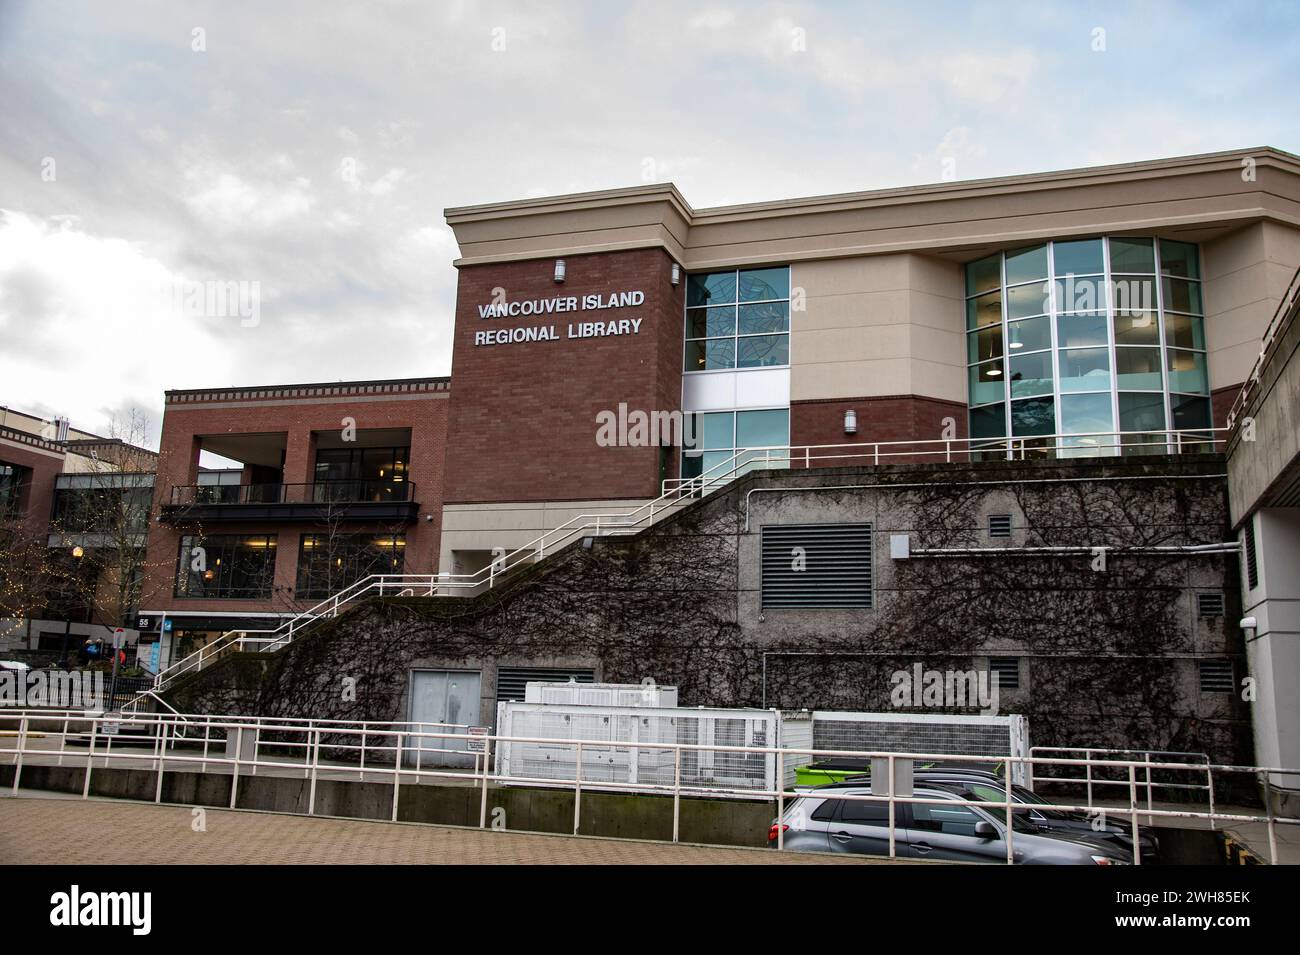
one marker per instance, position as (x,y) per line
(675,491)
(1195,763)
(952,450)
(396,738)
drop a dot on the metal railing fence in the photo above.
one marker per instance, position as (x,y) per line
(1090,444)
(178,741)
(1099,760)
(330,491)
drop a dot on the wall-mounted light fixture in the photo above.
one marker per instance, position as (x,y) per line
(677,274)
(850,422)
(559,270)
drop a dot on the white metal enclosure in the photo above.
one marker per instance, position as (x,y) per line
(606,762)
(926,733)
(601,694)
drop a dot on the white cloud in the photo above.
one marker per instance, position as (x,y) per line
(227,201)
(387,182)
(989,76)
(956,153)
(90,323)
(712,18)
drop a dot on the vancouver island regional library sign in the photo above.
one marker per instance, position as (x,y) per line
(557,305)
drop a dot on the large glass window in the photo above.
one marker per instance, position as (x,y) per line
(219,487)
(763,435)
(102,503)
(329,563)
(1142,412)
(739,318)
(1098,338)
(226,566)
(11,481)
(1031,374)
(361,474)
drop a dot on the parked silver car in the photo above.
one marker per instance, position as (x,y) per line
(821,822)
(984,786)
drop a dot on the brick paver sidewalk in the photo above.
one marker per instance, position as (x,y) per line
(98,831)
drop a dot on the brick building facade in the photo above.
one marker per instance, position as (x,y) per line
(277,494)
(523,414)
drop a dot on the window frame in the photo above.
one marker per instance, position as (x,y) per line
(736,334)
(184,553)
(731,452)
(14,478)
(353,558)
(1057,310)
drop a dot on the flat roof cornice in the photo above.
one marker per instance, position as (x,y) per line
(603,198)
(1003,185)
(322,389)
(1168,193)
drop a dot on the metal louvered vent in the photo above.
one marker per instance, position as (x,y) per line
(1007,671)
(1209,605)
(999,525)
(511,681)
(1289,496)
(1252,568)
(1216,676)
(816,566)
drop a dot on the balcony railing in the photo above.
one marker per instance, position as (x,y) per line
(1086,446)
(317,492)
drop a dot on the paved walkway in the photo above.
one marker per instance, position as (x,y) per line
(35,829)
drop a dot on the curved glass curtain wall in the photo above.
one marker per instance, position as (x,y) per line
(1079,339)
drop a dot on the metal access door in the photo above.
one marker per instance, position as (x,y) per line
(444,697)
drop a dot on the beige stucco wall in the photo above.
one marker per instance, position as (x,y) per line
(1246,274)
(893,324)
(876,326)
(481,527)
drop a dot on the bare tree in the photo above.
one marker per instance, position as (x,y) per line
(26,575)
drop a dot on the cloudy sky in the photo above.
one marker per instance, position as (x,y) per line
(149,148)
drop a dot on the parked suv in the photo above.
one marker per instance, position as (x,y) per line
(819,822)
(985,786)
